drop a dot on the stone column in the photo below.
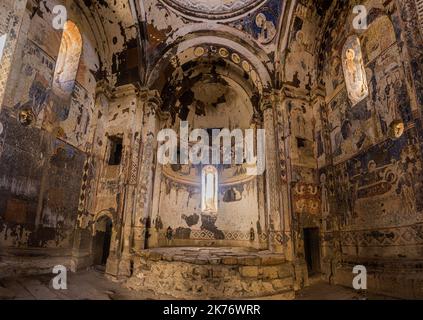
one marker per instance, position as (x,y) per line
(152,104)
(328,236)
(14,31)
(285,173)
(81,253)
(255,125)
(271,184)
(119,263)
(154,231)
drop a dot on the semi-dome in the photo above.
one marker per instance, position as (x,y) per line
(214,9)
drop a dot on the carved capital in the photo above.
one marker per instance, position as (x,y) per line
(164,115)
(318,92)
(267,101)
(152,98)
(126,90)
(103,88)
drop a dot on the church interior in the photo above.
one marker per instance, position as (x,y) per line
(337,86)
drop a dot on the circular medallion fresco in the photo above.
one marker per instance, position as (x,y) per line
(213,9)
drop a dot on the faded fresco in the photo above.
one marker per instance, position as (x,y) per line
(82,107)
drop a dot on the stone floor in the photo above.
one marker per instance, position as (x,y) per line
(320,290)
(87,285)
(93,285)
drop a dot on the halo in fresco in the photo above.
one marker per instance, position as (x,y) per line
(214,9)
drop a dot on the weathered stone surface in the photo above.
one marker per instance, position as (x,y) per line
(271,272)
(280,284)
(229,260)
(272,259)
(192,276)
(249,261)
(249,272)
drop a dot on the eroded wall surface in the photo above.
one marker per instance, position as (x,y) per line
(341,106)
(47,136)
(367,151)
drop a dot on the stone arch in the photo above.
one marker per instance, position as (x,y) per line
(104,232)
(91,19)
(102,215)
(246,65)
(245,50)
(284,39)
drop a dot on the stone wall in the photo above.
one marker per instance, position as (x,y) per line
(349,175)
(370,171)
(195,273)
(46,137)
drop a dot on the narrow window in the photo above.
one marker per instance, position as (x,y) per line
(2,45)
(116,148)
(354,72)
(67,63)
(301,143)
(209,191)
(419,5)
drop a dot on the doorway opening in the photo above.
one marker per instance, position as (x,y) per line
(312,250)
(102,240)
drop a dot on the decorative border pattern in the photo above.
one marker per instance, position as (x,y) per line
(408,235)
(229,235)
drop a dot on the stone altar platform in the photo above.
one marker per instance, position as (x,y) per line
(213,273)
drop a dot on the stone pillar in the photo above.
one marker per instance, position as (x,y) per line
(271,184)
(119,262)
(285,175)
(255,125)
(14,31)
(154,232)
(81,253)
(327,235)
(152,104)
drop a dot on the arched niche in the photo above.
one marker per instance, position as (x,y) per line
(102,239)
(228,53)
(211,84)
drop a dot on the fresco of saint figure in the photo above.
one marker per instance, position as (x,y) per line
(268,29)
(354,72)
